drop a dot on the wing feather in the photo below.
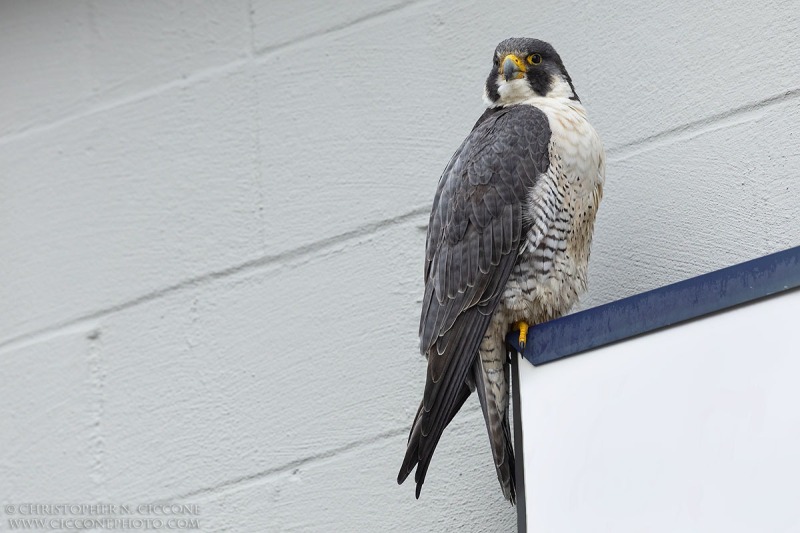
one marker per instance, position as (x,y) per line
(477,226)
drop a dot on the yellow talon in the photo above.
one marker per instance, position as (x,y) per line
(523,332)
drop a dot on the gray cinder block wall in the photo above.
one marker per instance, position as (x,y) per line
(212,220)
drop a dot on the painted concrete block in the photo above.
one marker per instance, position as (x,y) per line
(117,205)
(51,436)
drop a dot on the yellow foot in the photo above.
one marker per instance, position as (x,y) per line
(523,332)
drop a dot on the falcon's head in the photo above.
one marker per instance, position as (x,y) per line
(525,68)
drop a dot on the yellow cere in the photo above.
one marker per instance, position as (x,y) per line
(519,63)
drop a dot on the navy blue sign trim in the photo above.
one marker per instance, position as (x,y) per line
(661,307)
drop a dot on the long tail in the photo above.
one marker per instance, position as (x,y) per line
(499,433)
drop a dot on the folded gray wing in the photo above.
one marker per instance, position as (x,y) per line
(477,226)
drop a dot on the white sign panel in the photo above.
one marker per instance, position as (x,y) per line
(690,428)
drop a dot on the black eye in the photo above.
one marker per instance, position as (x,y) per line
(534,59)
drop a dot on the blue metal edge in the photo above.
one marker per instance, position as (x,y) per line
(665,306)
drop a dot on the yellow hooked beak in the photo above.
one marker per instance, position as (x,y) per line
(513,68)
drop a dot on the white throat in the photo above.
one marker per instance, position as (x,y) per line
(518,91)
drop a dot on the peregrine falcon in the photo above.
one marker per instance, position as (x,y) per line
(508,243)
